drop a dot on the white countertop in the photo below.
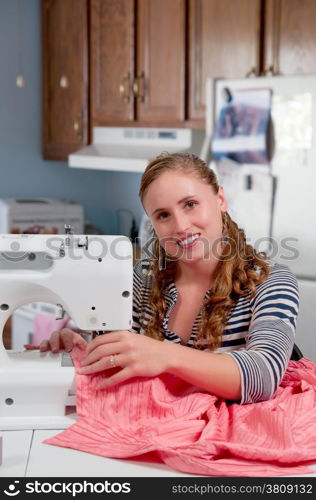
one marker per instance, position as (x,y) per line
(25,455)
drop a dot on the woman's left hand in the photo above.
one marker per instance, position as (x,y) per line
(136,355)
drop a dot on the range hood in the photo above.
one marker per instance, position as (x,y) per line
(130,149)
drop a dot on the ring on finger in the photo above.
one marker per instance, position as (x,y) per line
(112,361)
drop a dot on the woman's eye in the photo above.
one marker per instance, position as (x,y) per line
(191,204)
(163,215)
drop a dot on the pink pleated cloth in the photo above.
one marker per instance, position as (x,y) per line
(195,432)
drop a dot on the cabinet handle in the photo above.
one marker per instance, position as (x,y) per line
(251,72)
(78,126)
(269,70)
(136,87)
(124,88)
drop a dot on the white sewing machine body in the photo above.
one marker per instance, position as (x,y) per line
(89,277)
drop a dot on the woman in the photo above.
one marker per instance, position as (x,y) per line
(225,315)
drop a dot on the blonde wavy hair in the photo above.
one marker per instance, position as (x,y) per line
(240,268)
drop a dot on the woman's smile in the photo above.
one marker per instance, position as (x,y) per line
(188,241)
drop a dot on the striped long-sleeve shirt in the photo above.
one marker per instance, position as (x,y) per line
(259,333)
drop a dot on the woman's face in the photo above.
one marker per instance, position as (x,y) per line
(186,215)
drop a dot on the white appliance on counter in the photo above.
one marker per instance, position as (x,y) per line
(130,149)
(288,190)
(36,216)
(36,388)
(40,216)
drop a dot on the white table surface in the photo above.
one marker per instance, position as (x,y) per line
(15,450)
(25,455)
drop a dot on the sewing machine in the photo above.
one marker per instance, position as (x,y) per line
(90,278)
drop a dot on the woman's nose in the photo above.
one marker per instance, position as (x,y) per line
(181,223)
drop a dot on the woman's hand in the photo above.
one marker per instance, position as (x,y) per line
(136,354)
(60,339)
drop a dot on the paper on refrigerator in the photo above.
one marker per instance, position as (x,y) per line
(249,192)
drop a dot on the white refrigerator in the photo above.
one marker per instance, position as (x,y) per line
(275,200)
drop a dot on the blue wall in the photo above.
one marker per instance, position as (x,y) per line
(23,171)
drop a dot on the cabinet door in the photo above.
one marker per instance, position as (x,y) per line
(224,42)
(160,75)
(290,37)
(112,61)
(64,77)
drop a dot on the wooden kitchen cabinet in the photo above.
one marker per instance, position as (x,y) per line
(112,60)
(290,37)
(223,42)
(137,62)
(145,62)
(64,77)
(234,39)
(161,61)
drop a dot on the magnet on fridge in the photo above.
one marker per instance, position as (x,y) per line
(248,182)
(227,95)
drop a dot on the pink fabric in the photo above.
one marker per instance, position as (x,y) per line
(44,325)
(195,432)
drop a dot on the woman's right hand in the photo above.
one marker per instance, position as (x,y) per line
(62,339)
